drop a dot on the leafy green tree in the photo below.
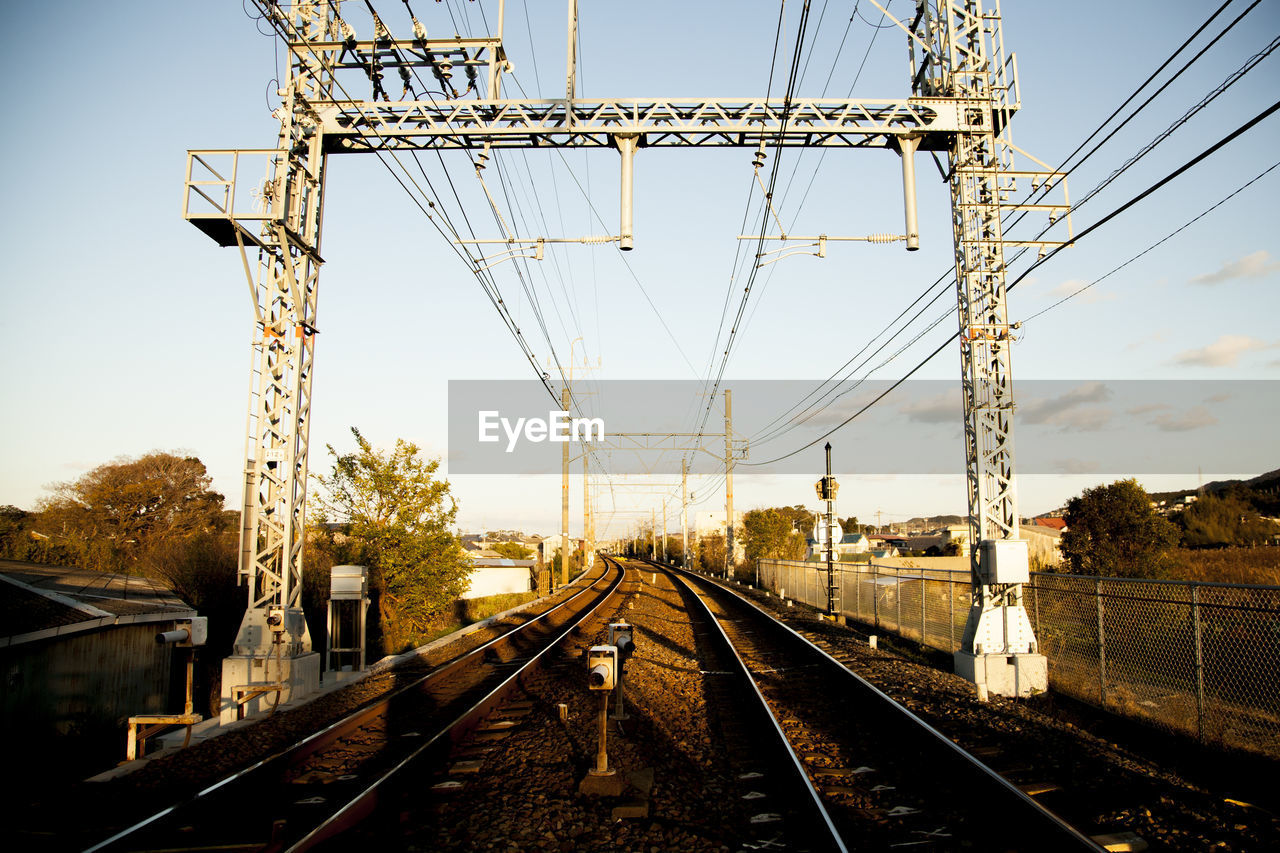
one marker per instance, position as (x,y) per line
(1222,520)
(113,515)
(711,554)
(398,519)
(770,534)
(513,550)
(1113,532)
(851,525)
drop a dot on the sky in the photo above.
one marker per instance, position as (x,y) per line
(123,329)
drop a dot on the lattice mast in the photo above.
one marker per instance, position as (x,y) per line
(957,52)
(285,291)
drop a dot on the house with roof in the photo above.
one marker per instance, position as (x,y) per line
(494,574)
(847,544)
(79,656)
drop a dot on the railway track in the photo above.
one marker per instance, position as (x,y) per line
(345,774)
(877,775)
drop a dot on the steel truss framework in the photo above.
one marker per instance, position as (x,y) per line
(964,96)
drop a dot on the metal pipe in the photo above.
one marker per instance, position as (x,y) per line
(602,751)
(627,143)
(907,146)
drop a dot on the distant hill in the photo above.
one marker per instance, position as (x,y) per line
(933,522)
(1268,482)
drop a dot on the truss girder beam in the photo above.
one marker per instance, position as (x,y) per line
(413,125)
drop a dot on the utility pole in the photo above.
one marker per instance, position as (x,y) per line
(664,531)
(586,510)
(728,484)
(564,494)
(827,488)
(571,54)
(684,512)
(653,534)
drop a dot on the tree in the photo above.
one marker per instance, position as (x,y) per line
(711,554)
(398,523)
(770,534)
(116,513)
(513,550)
(1113,532)
(851,525)
(1222,520)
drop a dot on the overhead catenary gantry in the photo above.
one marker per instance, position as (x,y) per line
(337,98)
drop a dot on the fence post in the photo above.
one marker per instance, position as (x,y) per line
(1195,629)
(1035,597)
(951,609)
(858,591)
(924,588)
(1102,645)
(897,593)
(875,600)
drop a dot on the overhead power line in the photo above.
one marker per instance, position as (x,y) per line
(764,437)
(1239,131)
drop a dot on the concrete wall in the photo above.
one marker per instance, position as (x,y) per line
(497,580)
(955,564)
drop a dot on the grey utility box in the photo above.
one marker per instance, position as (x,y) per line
(348,612)
(1004,561)
(349,582)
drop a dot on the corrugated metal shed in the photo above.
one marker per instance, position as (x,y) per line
(78,653)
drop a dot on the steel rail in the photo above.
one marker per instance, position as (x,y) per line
(363,804)
(293,754)
(816,821)
(997,792)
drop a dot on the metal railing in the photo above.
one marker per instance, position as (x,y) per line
(1198,658)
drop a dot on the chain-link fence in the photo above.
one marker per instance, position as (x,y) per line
(1200,658)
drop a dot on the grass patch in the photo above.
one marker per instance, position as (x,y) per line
(468,611)
(1225,565)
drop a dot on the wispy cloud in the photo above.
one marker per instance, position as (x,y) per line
(1148,408)
(1224,352)
(1194,418)
(1075,466)
(1071,285)
(1255,265)
(1072,410)
(944,408)
(1153,338)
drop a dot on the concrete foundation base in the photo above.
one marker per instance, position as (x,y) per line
(1005,675)
(299,676)
(595,785)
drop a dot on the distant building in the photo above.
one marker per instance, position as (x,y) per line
(494,574)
